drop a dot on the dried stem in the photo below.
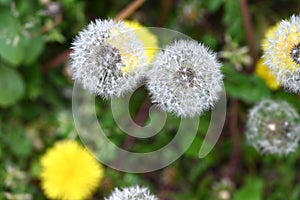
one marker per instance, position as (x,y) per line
(236,139)
(166,5)
(56,61)
(130,9)
(249,29)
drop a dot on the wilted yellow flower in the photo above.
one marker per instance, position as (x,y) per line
(264,72)
(69,172)
(149,41)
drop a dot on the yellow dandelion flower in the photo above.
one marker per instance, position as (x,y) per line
(282,53)
(264,72)
(69,172)
(148,39)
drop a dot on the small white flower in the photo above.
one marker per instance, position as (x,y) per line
(131,193)
(185,78)
(101,51)
(273,127)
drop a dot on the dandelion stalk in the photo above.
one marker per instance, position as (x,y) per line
(249,30)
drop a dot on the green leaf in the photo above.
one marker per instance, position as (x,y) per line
(16,44)
(33,78)
(5,2)
(11,86)
(11,41)
(212,5)
(252,190)
(248,88)
(233,20)
(18,142)
(193,150)
(33,48)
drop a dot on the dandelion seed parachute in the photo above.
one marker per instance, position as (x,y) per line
(100,53)
(68,171)
(282,53)
(131,193)
(185,78)
(273,127)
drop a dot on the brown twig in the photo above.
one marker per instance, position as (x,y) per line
(236,139)
(249,30)
(57,21)
(130,9)
(56,61)
(166,5)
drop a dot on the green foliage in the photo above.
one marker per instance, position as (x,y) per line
(35,99)
(18,44)
(18,143)
(252,190)
(233,19)
(248,88)
(11,86)
(212,5)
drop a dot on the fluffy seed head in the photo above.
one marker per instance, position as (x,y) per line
(131,193)
(100,53)
(282,53)
(185,78)
(273,127)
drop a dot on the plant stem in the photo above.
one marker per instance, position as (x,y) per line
(249,30)
(236,139)
(130,9)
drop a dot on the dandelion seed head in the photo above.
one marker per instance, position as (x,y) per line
(282,53)
(272,127)
(132,193)
(101,51)
(185,78)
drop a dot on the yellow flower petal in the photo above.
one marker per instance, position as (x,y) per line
(147,38)
(264,72)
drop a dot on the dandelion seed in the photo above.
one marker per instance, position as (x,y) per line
(101,52)
(282,53)
(272,127)
(131,193)
(185,79)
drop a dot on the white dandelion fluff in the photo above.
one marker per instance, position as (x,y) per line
(185,78)
(101,51)
(273,127)
(131,193)
(282,53)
